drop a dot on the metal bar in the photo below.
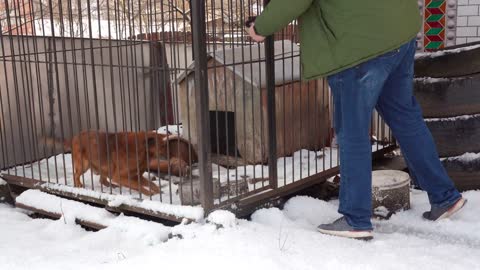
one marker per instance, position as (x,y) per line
(275,197)
(271,115)
(201,100)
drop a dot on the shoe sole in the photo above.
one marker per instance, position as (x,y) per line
(358,235)
(454,209)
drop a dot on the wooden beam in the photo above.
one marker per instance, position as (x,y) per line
(123,208)
(89,224)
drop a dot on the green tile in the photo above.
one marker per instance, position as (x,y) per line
(435,4)
(433,45)
(434,17)
(434,31)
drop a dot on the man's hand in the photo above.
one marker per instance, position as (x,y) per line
(253,35)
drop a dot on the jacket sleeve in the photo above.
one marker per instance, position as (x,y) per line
(278,14)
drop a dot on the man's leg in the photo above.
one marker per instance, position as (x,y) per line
(355,93)
(400,110)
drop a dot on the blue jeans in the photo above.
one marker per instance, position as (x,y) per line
(384,83)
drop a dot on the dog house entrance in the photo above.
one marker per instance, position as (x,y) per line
(222,133)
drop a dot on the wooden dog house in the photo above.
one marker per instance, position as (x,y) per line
(238,103)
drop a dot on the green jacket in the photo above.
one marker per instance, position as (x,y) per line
(338,34)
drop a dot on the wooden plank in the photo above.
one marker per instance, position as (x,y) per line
(22,181)
(449,64)
(454,137)
(228,161)
(5,195)
(89,224)
(448,97)
(465,173)
(123,208)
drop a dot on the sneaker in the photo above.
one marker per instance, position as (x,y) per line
(341,228)
(437,213)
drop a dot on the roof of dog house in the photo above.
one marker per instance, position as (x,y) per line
(248,62)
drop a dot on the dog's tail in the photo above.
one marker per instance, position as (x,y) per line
(56,143)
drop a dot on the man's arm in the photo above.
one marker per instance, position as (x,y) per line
(278,14)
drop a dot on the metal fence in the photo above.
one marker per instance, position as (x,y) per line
(168,101)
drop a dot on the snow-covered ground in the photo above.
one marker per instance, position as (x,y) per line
(273,239)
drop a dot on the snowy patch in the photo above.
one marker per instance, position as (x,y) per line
(389,179)
(307,210)
(456,118)
(433,80)
(171,129)
(465,158)
(226,219)
(445,52)
(274,239)
(2,182)
(381,211)
(180,211)
(136,229)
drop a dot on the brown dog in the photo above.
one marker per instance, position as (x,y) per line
(178,153)
(125,156)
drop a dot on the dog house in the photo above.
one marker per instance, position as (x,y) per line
(238,103)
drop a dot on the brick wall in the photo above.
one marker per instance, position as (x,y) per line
(468,21)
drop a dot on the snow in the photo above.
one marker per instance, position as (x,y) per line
(181,211)
(433,80)
(138,229)
(273,239)
(2,182)
(223,218)
(445,52)
(389,179)
(456,118)
(171,129)
(465,158)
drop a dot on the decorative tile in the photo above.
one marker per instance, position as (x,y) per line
(434,24)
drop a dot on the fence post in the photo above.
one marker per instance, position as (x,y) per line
(272,124)
(201,103)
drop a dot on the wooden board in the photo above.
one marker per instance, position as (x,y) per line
(28,183)
(455,137)
(465,174)
(449,64)
(5,196)
(448,96)
(302,116)
(85,223)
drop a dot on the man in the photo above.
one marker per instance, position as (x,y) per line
(366,50)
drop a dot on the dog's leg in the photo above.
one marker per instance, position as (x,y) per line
(146,187)
(149,185)
(105,182)
(80,167)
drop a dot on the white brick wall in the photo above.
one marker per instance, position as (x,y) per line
(468,21)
